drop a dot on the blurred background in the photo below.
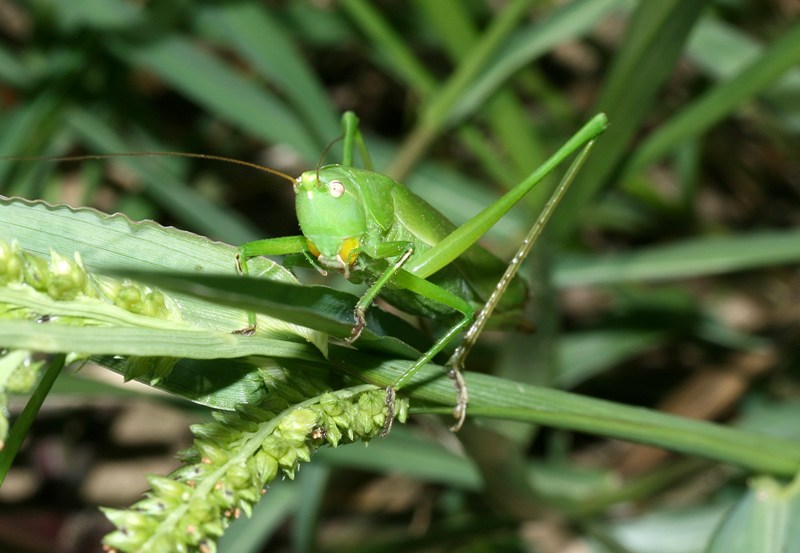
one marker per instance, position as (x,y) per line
(668,278)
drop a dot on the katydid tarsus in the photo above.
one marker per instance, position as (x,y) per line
(372,229)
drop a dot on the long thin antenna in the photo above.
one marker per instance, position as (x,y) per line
(325,152)
(152,154)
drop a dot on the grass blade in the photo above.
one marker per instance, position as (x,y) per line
(208,81)
(656,35)
(722,100)
(690,258)
(19,430)
(504,399)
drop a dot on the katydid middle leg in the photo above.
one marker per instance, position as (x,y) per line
(429,290)
(403,250)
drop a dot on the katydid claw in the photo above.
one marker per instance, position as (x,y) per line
(361,322)
(462,398)
(249,330)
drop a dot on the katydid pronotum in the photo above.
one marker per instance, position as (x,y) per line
(372,229)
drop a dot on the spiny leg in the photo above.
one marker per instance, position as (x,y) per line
(388,249)
(369,296)
(391,395)
(456,362)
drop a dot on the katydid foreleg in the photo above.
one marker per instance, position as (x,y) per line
(429,290)
(267,246)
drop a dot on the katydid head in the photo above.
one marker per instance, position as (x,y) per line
(331,216)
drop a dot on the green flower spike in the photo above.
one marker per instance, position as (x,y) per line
(10,263)
(233,459)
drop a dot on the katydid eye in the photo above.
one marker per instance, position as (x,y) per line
(336,188)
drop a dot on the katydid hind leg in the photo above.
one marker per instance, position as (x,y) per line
(458,241)
(456,362)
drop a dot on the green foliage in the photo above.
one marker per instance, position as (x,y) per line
(672,259)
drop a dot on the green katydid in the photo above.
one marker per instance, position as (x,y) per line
(370,228)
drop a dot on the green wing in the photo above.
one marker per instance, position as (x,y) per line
(480,269)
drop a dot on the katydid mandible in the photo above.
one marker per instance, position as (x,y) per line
(372,229)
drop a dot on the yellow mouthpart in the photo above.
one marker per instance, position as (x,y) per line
(348,251)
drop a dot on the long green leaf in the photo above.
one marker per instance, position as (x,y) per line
(504,399)
(318,307)
(208,81)
(690,258)
(259,37)
(566,22)
(22,425)
(150,342)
